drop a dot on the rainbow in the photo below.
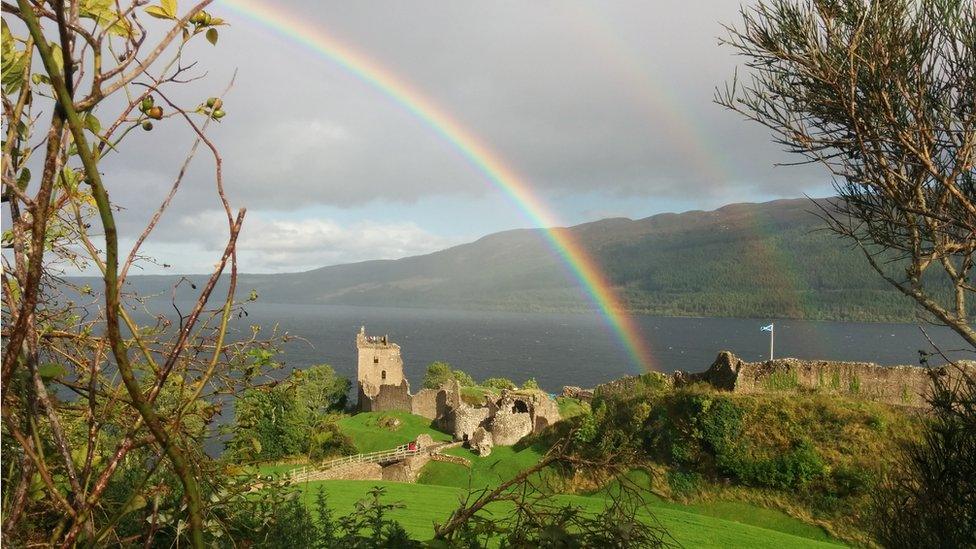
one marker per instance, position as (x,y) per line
(502,176)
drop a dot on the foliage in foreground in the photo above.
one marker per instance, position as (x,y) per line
(929,499)
(104,418)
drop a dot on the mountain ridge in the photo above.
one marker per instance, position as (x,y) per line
(768,259)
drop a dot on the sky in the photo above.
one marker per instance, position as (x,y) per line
(603,108)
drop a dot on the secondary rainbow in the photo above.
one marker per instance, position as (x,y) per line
(584,268)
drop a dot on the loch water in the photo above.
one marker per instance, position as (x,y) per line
(572,349)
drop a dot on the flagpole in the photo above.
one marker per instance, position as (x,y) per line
(772,336)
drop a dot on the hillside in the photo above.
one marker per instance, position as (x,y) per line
(743,260)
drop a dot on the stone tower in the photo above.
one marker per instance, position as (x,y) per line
(379,363)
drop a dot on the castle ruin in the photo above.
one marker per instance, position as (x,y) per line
(497,421)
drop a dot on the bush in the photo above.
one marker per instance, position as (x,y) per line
(294,417)
(530,383)
(498,384)
(684,484)
(328,441)
(784,471)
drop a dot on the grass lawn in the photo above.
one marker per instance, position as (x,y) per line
(737,511)
(369,436)
(426,504)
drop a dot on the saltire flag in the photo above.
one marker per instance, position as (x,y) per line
(767,328)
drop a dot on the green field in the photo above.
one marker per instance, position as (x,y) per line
(426,504)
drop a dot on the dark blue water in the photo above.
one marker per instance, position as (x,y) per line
(572,349)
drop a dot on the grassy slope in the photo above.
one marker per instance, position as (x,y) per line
(371,437)
(504,463)
(426,504)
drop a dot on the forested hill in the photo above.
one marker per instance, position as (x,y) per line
(744,260)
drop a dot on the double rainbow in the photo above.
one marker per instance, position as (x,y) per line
(502,176)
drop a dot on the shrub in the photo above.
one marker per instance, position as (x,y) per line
(530,383)
(497,384)
(684,484)
(849,480)
(784,471)
(328,440)
(721,426)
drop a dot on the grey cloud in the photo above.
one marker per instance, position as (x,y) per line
(575,96)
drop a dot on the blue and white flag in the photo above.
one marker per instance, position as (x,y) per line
(767,328)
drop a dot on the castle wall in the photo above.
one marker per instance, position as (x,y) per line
(430,403)
(507,428)
(467,420)
(386,398)
(897,385)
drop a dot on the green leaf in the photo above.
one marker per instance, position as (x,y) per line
(212,36)
(51,370)
(105,14)
(14,63)
(158,12)
(57,58)
(92,123)
(169,6)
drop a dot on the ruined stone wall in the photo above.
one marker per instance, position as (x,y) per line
(467,420)
(897,385)
(386,398)
(354,471)
(507,428)
(545,412)
(436,404)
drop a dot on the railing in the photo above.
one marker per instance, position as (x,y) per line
(321,471)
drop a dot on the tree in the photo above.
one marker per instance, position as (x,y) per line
(883,94)
(440,373)
(320,390)
(291,418)
(103,418)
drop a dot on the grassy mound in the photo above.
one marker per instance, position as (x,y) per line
(370,432)
(816,456)
(503,464)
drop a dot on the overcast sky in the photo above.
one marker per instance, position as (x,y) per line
(605,109)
